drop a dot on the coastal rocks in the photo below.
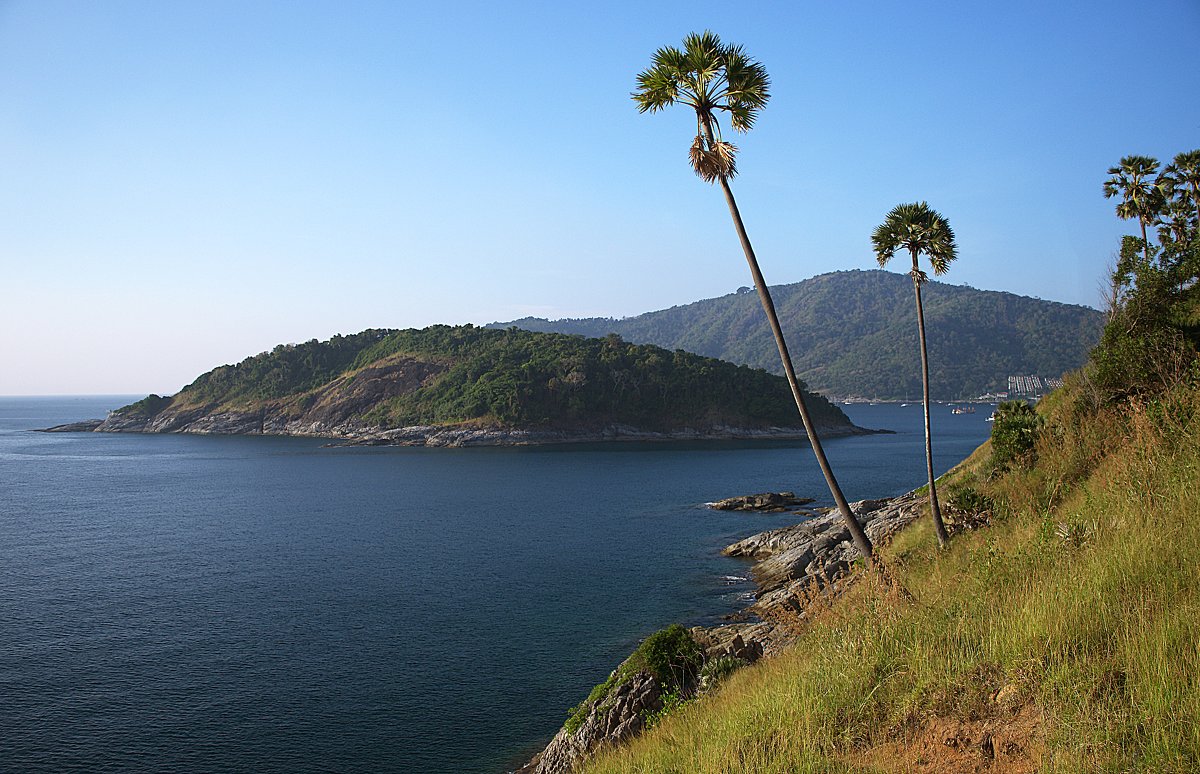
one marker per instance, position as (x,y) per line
(459,436)
(820,547)
(226,423)
(808,564)
(726,642)
(322,421)
(86,426)
(763,502)
(619,716)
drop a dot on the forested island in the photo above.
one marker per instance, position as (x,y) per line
(465,385)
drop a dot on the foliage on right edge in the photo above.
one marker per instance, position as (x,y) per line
(1153,331)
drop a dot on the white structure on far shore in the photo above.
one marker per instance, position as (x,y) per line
(1032,385)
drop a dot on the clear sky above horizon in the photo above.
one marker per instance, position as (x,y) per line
(189,183)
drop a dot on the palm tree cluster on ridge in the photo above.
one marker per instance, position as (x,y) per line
(1165,199)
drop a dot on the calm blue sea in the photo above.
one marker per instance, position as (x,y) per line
(248,604)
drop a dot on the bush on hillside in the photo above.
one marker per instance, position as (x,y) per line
(671,655)
(1144,348)
(1014,433)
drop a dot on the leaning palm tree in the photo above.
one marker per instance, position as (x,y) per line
(711,77)
(1141,197)
(919,229)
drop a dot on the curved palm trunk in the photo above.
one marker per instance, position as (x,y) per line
(938,526)
(861,542)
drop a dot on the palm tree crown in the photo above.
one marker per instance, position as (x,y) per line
(709,76)
(1182,178)
(918,229)
(1133,179)
(1176,221)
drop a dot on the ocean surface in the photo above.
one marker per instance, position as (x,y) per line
(251,604)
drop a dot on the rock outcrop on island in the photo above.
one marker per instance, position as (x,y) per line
(464,386)
(796,567)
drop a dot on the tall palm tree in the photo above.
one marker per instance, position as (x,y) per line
(711,77)
(1141,197)
(919,229)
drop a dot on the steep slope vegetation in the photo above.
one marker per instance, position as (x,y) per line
(854,333)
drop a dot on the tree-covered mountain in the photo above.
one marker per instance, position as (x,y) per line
(465,377)
(854,333)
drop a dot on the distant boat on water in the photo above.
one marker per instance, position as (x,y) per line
(962,409)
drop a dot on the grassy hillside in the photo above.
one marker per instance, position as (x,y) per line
(1067,631)
(446,375)
(854,333)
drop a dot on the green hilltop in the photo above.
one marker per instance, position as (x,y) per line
(854,333)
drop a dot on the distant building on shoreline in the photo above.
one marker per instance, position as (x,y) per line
(1032,386)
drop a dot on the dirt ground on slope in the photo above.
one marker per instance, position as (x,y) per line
(1012,742)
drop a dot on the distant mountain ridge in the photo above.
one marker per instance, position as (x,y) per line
(465,385)
(854,333)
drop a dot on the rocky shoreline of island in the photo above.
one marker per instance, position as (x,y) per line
(361,434)
(797,568)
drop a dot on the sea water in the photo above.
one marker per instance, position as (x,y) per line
(256,604)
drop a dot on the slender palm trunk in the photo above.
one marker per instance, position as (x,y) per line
(938,526)
(861,542)
(1145,241)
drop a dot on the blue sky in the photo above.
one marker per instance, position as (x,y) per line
(185,184)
